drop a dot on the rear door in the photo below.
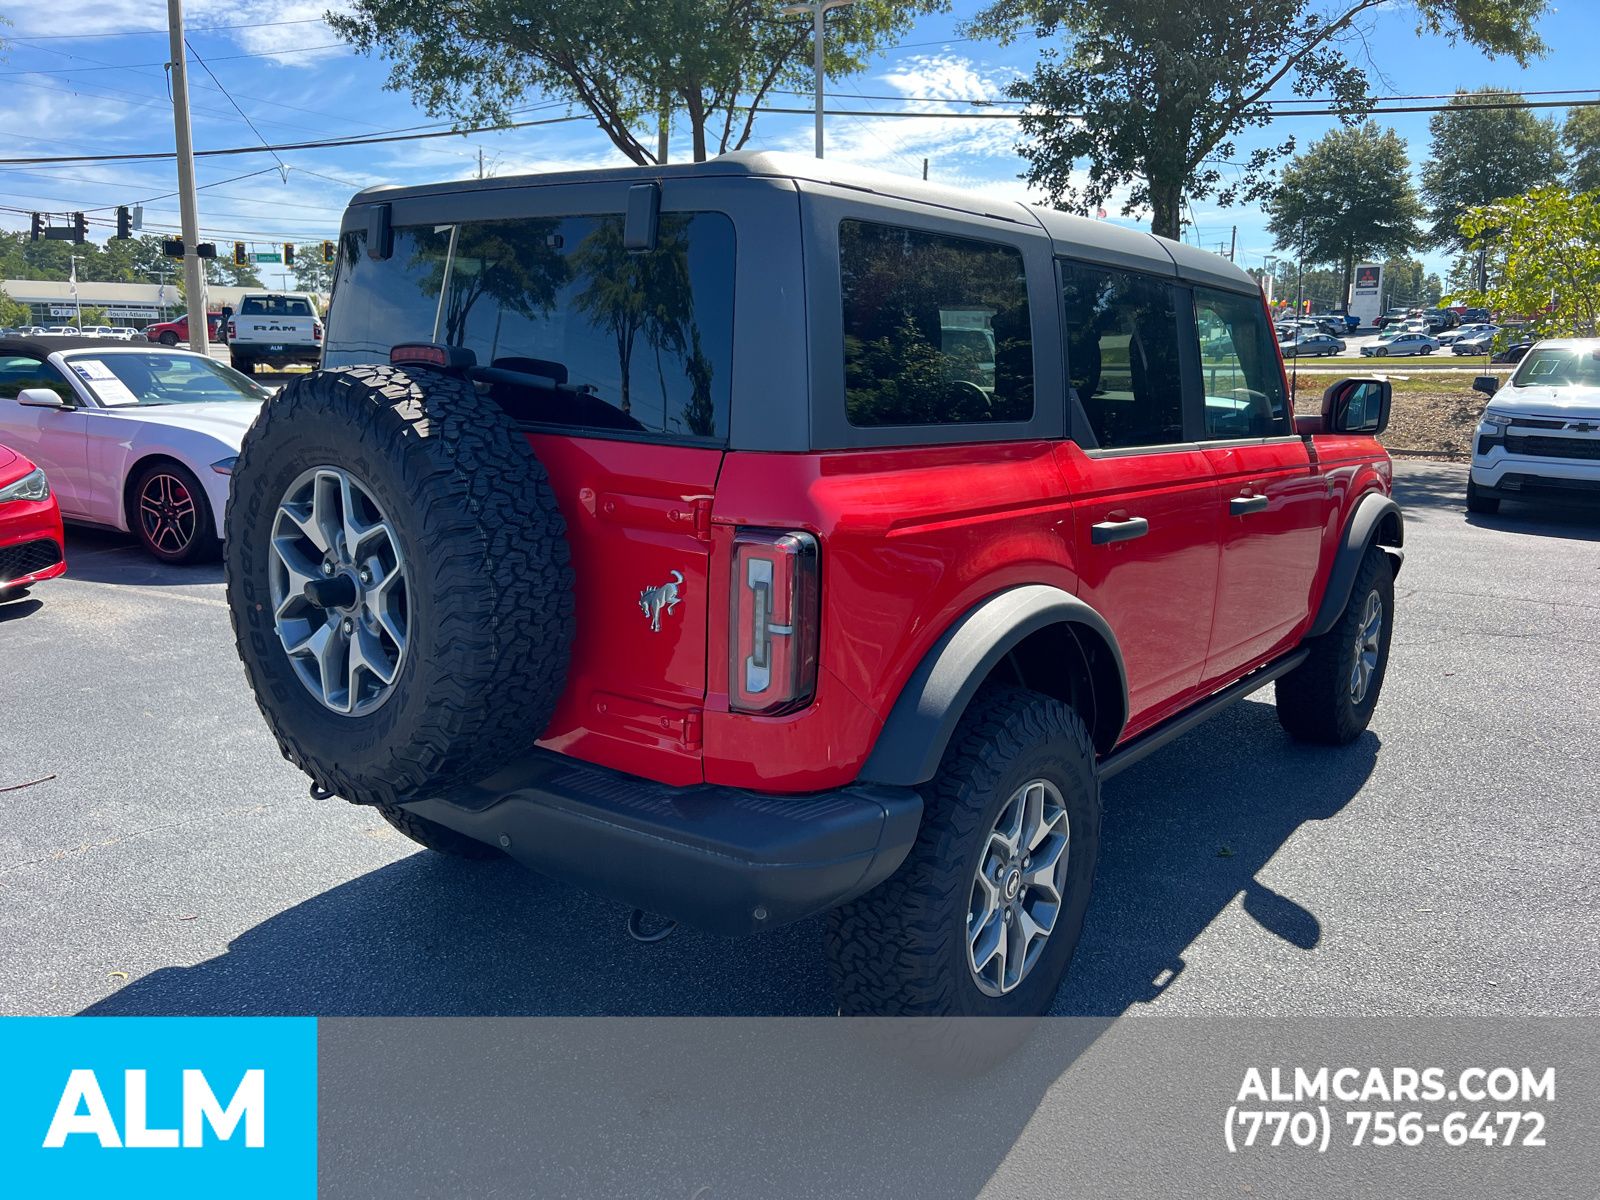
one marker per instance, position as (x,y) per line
(1144,496)
(1271,501)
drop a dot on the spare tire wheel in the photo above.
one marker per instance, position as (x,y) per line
(399,580)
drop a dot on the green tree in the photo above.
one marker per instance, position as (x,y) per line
(1349,196)
(311,274)
(711,62)
(1581,138)
(1547,249)
(92,315)
(1409,284)
(1480,155)
(1153,95)
(226,273)
(14,312)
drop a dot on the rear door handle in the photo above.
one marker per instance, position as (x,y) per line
(1118,531)
(1243,506)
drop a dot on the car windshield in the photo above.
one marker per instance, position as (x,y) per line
(151,377)
(1559,367)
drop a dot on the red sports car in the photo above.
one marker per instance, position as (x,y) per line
(31,545)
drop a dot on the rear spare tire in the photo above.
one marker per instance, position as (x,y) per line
(399,581)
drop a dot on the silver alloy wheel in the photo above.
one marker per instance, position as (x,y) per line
(340,601)
(1364,658)
(1016,892)
(167,513)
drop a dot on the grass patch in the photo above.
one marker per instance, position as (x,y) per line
(1434,415)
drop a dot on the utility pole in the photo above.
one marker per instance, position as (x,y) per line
(664,130)
(480,162)
(924,170)
(1233,245)
(194,270)
(815,9)
(77,301)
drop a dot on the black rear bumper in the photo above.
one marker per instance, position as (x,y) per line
(718,858)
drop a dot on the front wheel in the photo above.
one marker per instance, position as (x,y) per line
(168,338)
(171,516)
(1480,502)
(984,915)
(1331,696)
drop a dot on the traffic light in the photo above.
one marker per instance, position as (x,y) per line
(327,252)
(241,257)
(124,222)
(38,226)
(288,254)
(205,250)
(172,247)
(80,228)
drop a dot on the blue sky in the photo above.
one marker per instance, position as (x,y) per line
(98,93)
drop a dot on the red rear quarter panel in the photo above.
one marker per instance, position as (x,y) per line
(1352,466)
(911,538)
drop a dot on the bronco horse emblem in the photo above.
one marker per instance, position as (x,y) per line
(662,598)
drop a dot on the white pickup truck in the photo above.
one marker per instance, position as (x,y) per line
(275,329)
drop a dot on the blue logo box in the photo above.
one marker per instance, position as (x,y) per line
(166,1107)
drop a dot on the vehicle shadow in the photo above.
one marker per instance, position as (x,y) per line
(97,555)
(1186,832)
(18,607)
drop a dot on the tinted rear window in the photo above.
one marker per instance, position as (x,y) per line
(275,306)
(585,334)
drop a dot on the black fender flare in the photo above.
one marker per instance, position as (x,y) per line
(920,724)
(1373,513)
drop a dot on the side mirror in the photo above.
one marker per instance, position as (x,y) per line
(40,398)
(1487,384)
(1357,406)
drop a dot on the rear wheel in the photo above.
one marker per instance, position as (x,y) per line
(244,366)
(171,516)
(1331,696)
(984,915)
(1480,502)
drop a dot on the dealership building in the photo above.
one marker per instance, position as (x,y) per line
(130,304)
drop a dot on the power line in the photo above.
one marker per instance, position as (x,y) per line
(259,136)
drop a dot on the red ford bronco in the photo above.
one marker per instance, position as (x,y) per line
(759,538)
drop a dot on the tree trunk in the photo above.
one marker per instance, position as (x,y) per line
(1166,205)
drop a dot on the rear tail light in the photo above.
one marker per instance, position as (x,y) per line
(776,615)
(232,331)
(316,331)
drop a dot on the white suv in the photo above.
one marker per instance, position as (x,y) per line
(1541,432)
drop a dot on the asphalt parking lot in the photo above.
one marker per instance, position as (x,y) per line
(158,857)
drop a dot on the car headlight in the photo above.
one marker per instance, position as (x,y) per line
(224,466)
(1494,423)
(32,486)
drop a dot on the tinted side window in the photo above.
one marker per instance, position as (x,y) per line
(1239,369)
(583,333)
(935,328)
(1122,354)
(21,371)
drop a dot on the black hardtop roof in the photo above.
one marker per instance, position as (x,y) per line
(1114,242)
(43,347)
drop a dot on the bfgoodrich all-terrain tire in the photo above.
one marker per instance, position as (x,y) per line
(1330,697)
(923,943)
(403,516)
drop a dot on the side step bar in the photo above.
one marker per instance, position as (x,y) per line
(1152,740)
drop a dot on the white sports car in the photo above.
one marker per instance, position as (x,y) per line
(135,437)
